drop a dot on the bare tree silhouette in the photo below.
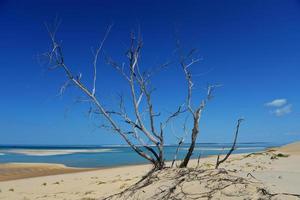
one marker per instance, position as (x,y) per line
(144,132)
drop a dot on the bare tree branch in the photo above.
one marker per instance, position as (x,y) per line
(180,141)
(56,57)
(198,160)
(96,58)
(177,150)
(232,147)
(186,62)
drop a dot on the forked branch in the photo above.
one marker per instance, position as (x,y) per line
(186,61)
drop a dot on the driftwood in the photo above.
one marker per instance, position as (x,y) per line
(174,184)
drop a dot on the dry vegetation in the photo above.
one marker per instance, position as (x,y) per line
(195,183)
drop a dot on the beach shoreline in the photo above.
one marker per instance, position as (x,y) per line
(49,169)
(60,169)
(277,168)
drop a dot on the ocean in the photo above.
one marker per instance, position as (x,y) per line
(110,155)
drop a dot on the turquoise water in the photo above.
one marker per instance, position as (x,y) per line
(107,156)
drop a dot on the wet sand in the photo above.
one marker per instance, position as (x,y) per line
(13,171)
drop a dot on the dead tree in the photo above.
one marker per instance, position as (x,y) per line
(148,142)
(186,62)
(232,147)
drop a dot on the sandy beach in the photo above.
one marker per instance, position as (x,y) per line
(12,171)
(276,169)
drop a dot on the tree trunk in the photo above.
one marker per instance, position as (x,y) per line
(195,132)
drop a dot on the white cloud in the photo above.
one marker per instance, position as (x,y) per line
(283,110)
(276,103)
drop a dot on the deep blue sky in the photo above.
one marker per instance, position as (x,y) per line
(251,47)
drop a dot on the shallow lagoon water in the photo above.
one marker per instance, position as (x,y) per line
(108,156)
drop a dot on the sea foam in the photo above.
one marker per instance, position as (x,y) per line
(55,152)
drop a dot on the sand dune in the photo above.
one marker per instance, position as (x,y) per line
(223,149)
(293,148)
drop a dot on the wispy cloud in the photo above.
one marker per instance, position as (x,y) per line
(283,111)
(279,107)
(276,103)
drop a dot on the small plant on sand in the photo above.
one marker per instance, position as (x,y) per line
(279,155)
(88,192)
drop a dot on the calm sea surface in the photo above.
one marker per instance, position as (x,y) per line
(107,156)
